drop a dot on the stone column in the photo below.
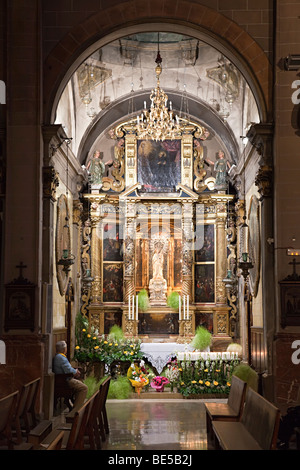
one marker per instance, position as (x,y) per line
(96,314)
(221,316)
(261,137)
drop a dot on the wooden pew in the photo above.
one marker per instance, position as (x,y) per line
(102,415)
(257,429)
(24,417)
(92,431)
(57,441)
(7,408)
(230,411)
(75,432)
(39,432)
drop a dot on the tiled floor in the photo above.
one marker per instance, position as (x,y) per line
(139,424)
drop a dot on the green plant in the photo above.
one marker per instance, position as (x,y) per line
(92,385)
(173,300)
(119,388)
(247,374)
(92,348)
(116,333)
(143,300)
(202,339)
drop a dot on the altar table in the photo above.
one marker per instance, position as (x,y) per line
(159,354)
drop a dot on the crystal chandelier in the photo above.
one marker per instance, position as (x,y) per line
(159,122)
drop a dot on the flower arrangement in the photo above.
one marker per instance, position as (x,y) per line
(137,377)
(172,373)
(93,348)
(159,382)
(206,377)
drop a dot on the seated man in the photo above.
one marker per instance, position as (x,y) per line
(61,365)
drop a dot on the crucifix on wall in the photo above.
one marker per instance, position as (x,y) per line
(19,302)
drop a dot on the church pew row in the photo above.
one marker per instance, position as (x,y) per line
(231,410)
(20,428)
(257,429)
(8,405)
(84,429)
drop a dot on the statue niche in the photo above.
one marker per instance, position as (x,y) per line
(158,285)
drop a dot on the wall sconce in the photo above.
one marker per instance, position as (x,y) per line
(229,281)
(292,62)
(245,264)
(87,279)
(66,260)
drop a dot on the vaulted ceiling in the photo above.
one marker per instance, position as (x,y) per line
(112,84)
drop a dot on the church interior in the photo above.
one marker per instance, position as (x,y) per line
(150,182)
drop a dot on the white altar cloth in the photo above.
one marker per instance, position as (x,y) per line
(158,354)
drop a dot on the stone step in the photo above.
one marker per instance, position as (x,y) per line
(153,394)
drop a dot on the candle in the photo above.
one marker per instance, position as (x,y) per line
(184,307)
(179,307)
(188,308)
(137,308)
(144,104)
(129,313)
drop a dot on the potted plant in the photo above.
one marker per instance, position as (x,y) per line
(247,374)
(173,300)
(202,339)
(143,300)
(159,382)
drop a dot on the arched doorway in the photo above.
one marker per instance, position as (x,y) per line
(94,133)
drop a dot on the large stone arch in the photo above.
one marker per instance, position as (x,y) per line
(132,16)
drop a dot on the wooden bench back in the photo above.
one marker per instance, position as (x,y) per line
(237,394)
(7,408)
(261,419)
(79,423)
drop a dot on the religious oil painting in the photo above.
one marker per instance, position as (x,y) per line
(112,242)
(290,303)
(204,283)
(111,319)
(19,307)
(206,243)
(112,282)
(158,323)
(159,165)
(204,319)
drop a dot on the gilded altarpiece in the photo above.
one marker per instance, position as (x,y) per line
(164,232)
